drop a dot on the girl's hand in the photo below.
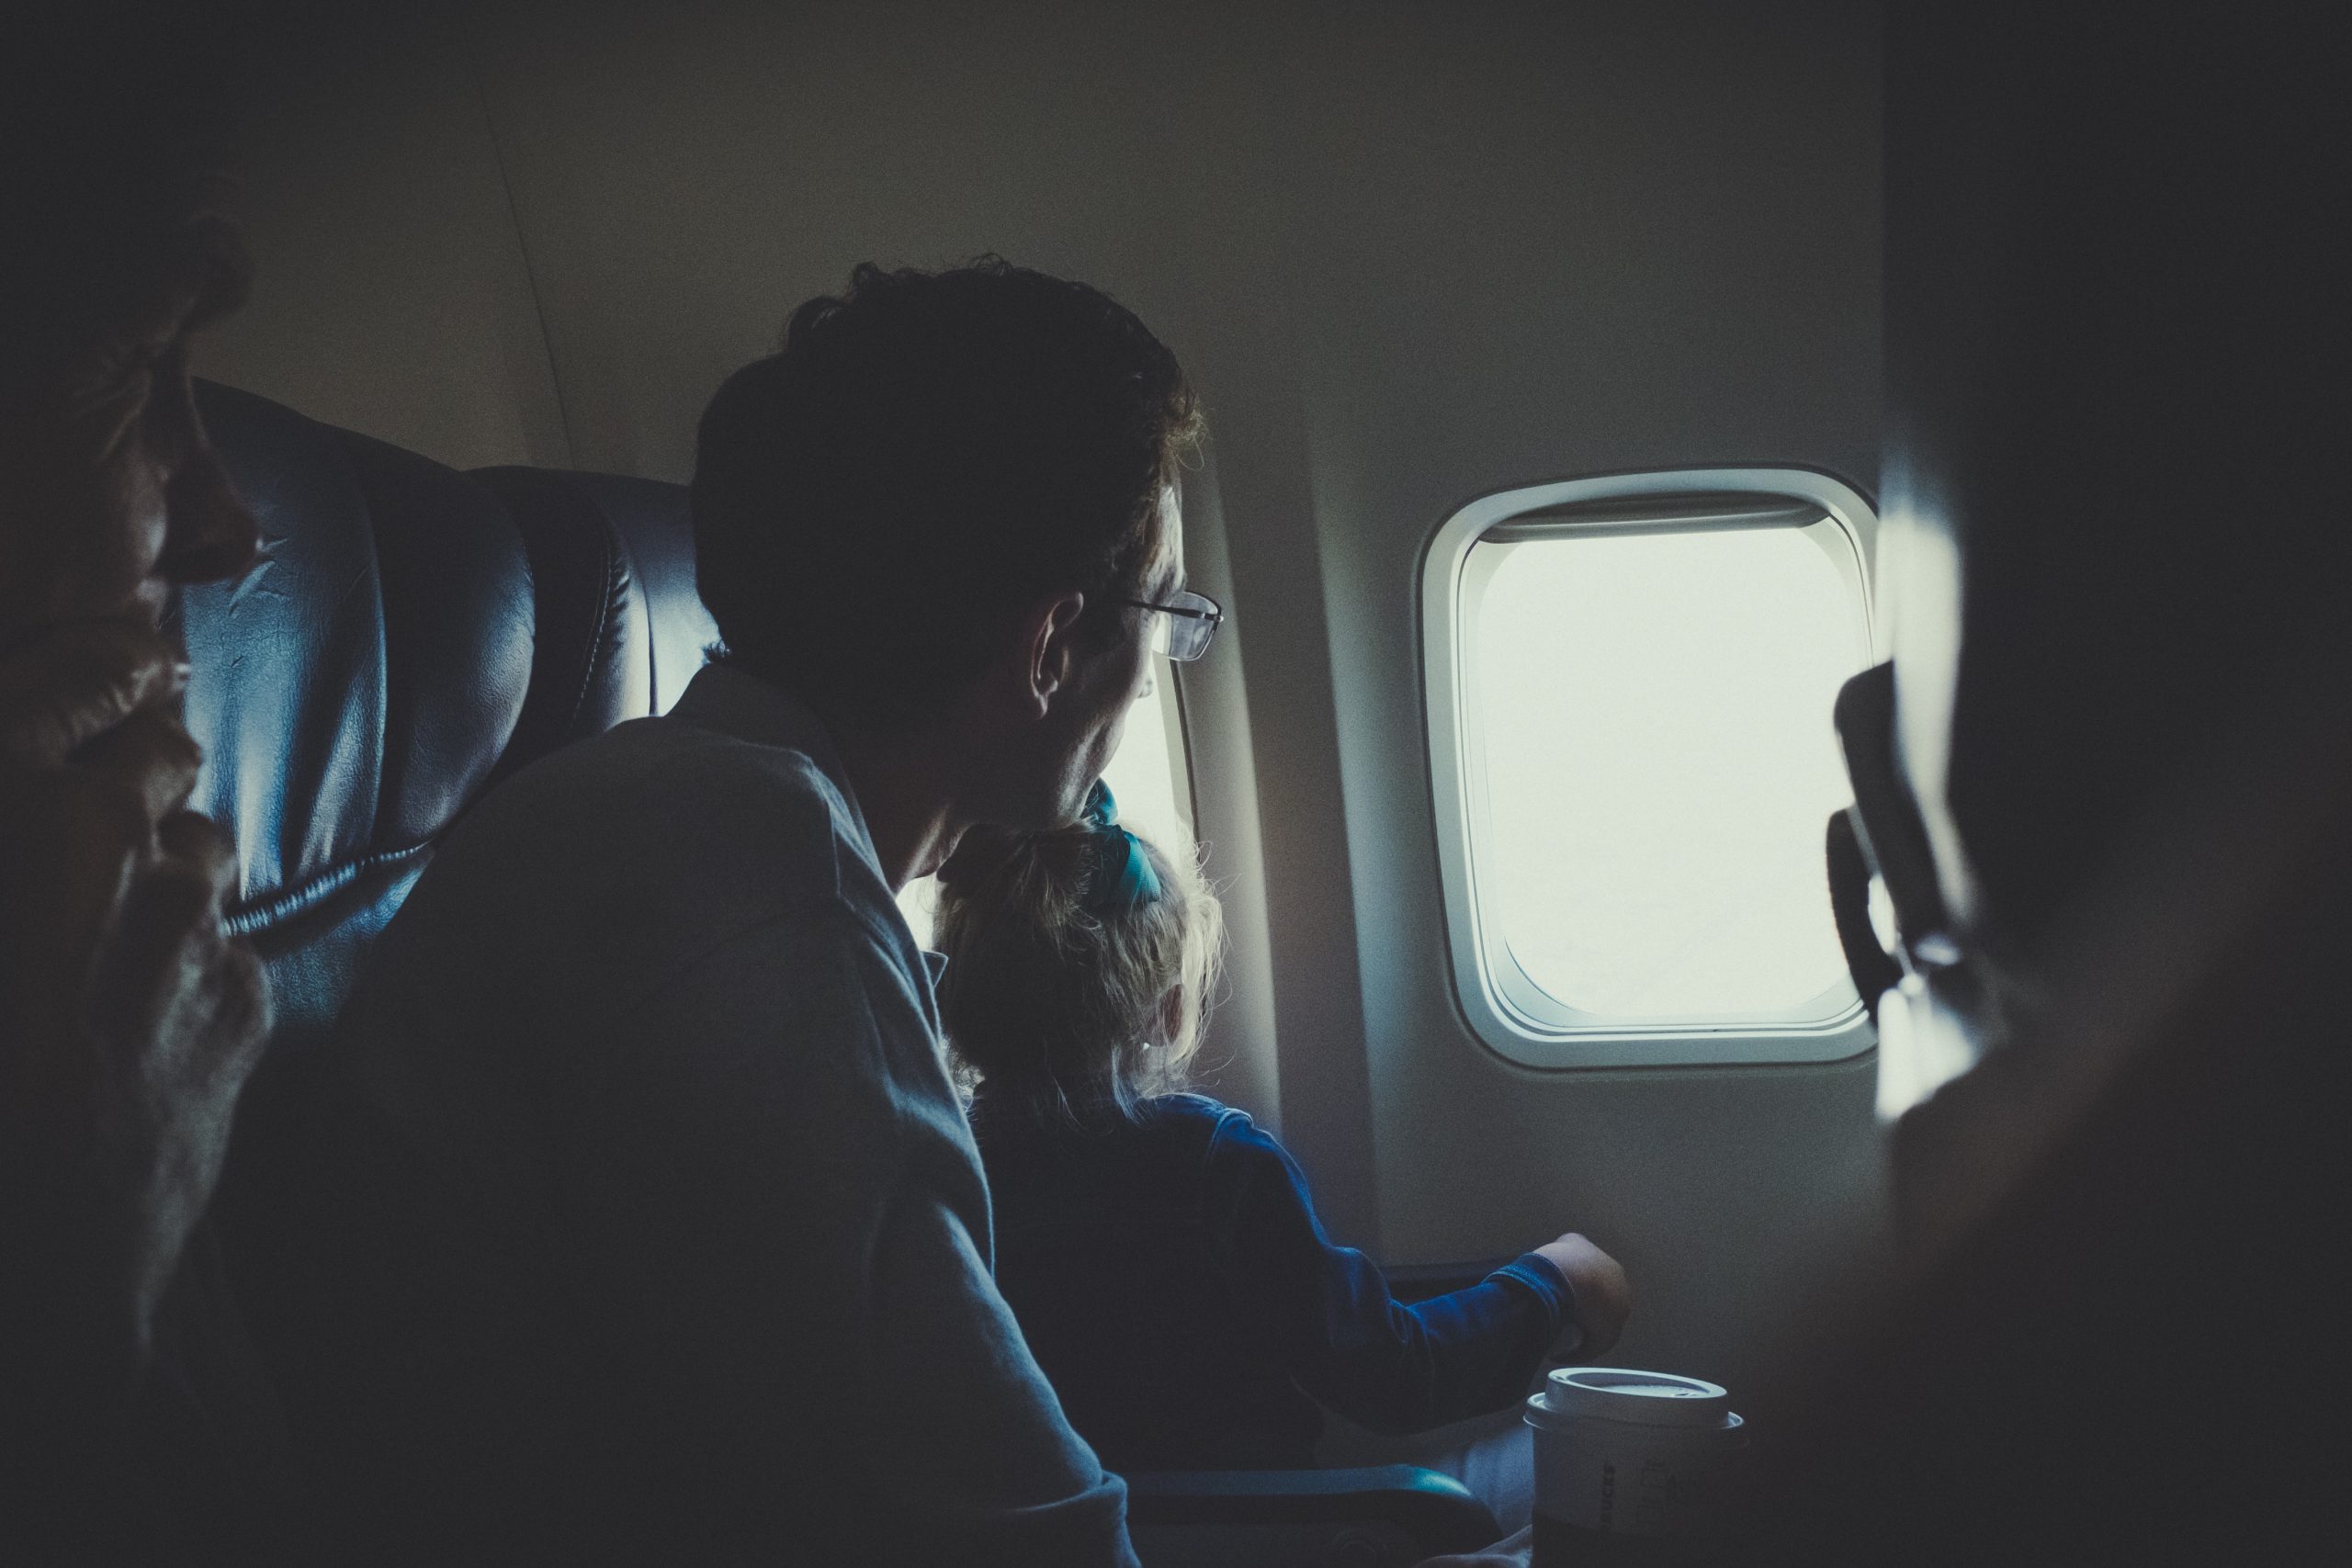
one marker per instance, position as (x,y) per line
(1604,1298)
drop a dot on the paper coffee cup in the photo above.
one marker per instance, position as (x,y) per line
(1630,1467)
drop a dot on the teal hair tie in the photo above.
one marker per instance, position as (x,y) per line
(1123,878)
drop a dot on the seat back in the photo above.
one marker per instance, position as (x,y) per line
(354,691)
(640,533)
(409,636)
(620,629)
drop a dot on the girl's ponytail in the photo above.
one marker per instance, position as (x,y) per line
(1079,960)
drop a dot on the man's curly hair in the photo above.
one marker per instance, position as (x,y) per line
(926,455)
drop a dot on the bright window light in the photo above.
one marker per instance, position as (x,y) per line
(918,901)
(1147,774)
(1629,683)
(1659,763)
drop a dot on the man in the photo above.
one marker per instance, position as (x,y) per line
(128,1019)
(648,1224)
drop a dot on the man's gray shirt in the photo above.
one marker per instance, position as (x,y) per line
(645,1222)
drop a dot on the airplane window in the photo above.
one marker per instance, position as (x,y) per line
(1147,774)
(1666,765)
(1640,735)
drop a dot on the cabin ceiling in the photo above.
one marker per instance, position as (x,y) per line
(521,232)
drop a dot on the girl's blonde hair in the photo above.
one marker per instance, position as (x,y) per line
(1068,1005)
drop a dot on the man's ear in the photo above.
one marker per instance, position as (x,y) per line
(1049,648)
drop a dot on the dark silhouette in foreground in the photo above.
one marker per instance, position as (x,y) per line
(129,1018)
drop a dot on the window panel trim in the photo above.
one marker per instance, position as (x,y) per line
(1508,1011)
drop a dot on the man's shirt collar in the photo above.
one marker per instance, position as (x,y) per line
(732,702)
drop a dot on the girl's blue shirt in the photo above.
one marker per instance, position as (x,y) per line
(1172,1279)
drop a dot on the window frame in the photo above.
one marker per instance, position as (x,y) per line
(1496,1006)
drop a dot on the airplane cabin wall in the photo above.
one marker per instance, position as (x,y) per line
(1410,252)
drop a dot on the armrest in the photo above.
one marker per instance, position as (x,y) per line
(1395,1513)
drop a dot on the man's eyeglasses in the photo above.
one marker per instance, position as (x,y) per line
(1186,624)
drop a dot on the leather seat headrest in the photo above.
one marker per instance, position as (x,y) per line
(355,688)
(621,630)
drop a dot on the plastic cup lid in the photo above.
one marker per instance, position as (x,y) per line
(1647,1399)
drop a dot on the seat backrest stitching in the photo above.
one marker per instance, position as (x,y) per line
(245,920)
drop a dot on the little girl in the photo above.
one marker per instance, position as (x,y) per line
(1160,1249)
